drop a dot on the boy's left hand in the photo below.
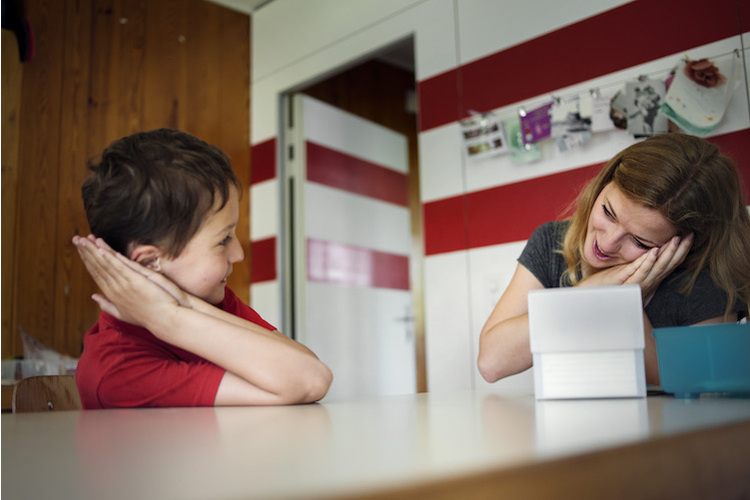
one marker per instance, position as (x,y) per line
(130,292)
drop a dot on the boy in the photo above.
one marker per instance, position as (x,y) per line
(171,333)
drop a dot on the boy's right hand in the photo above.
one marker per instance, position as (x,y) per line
(131,292)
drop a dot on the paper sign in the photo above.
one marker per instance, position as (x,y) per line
(536,124)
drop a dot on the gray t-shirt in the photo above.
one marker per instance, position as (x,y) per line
(668,307)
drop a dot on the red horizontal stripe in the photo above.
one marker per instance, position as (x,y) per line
(438,99)
(263,260)
(339,170)
(443,225)
(596,46)
(263,161)
(501,214)
(511,212)
(337,263)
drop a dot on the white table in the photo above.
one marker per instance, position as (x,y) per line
(426,445)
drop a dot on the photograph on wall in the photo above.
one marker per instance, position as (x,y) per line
(569,129)
(536,123)
(644,97)
(596,106)
(618,110)
(520,152)
(699,94)
(483,135)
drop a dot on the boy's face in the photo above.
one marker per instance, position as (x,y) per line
(204,265)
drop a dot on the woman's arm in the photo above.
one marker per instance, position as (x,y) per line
(504,341)
(263,367)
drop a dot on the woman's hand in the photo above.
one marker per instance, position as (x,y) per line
(130,291)
(648,270)
(666,260)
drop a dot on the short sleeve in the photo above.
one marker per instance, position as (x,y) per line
(233,305)
(137,373)
(541,254)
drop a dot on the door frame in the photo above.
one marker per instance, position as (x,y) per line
(292,200)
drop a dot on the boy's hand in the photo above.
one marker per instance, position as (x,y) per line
(648,270)
(128,294)
(182,297)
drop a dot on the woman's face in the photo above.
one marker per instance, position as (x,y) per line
(620,230)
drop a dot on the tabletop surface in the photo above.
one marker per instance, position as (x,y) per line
(324,450)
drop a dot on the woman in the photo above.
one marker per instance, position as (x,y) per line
(666,213)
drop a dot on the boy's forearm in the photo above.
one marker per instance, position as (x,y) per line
(270,361)
(206,308)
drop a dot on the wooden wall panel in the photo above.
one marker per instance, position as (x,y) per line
(72,288)
(39,173)
(12,79)
(128,28)
(164,79)
(234,112)
(104,69)
(201,41)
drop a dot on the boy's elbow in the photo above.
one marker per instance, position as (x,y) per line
(320,385)
(314,387)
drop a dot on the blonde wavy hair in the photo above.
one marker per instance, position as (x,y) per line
(697,189)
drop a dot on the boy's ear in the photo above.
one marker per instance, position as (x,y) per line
(148,256)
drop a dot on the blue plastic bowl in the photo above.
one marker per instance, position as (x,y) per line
(704,359)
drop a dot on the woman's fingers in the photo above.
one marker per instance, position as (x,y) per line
(666,256)
(669,257)
(672,255)
(642,267)
(683,249)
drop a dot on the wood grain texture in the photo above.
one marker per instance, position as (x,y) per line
(105,69)
(12,79)
(39,173)
(71,310)
(46,393)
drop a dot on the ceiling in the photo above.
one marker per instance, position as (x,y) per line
(246,6)
(400,54)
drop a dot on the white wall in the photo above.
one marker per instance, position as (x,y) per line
(298,41)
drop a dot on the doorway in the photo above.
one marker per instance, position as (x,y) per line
(378,93)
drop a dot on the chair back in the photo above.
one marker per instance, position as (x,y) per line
(46,393)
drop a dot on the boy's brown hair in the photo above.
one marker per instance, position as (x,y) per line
(155,188)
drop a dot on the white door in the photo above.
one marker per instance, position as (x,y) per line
(347,291)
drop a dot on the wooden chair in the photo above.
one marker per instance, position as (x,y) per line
(46,393)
